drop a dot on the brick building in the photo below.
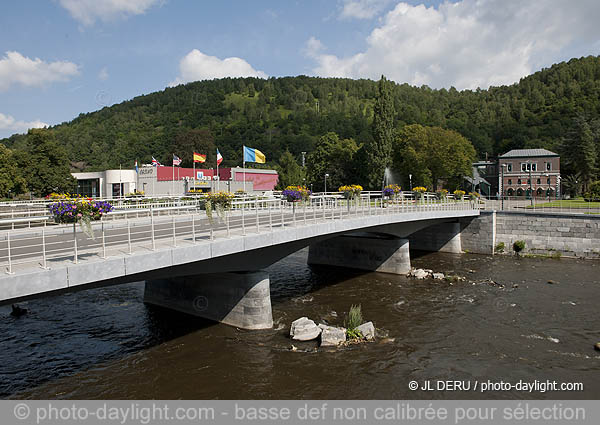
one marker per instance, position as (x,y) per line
(523,170)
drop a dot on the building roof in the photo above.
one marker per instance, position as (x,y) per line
(525,153)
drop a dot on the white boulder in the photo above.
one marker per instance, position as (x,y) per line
(304,329)
(367,330)
(332,336)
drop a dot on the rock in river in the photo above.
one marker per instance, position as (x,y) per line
(367,330)
(304,329)
(332,336)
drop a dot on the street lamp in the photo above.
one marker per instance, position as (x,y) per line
(530,183)
(502,185)
(410,181)
(326,175)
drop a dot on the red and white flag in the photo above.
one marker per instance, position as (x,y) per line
(219,157)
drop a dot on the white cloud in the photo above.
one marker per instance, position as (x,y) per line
(103,74)
(468,44)
(362,9)
(197,66)
(18,69)
(88,11)
(7,122)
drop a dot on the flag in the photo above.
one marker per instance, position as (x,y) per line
(137,170)
(254,155)
(199,158)
(176,160)
(155,163)
(219,158)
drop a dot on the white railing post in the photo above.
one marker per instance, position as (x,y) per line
(75,242)
(152,229)
(304,208)
(44,266)
(103,243)
(227,223)
(9,257)
(270,218)
(194,229)
(129,235)
(174,234)
(256,206)
(243,223)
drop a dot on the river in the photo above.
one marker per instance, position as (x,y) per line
(505,322)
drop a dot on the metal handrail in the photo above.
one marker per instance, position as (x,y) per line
(22,248)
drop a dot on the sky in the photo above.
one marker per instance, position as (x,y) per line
(60,58)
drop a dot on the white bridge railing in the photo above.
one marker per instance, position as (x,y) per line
(24,249)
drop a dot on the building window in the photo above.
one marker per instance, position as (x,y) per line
(539,181)
(548,166)
(548,180)
(509,168)
(518,181)
(525,166)
(528,181)
(509,181)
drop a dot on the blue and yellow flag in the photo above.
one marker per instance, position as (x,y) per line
(254,155)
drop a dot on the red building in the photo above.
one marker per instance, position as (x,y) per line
(524,170)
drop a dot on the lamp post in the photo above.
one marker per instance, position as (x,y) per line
(410,181)
(326,175)
(530,183)
(502,185)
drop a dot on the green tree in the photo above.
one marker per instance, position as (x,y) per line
(45,164)
(379,150)
(11,180)
(197,140)
(432,154)
(290,173)
(579,151)
(333,156)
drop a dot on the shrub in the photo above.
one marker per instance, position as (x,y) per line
(353,320)
(500,247)
(459,193)
(518,246)
(593,193)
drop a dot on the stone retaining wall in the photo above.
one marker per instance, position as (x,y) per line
(544,233)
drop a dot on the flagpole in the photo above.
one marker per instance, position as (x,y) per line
(218,178)
(244,166)
(194,176)
(173,179)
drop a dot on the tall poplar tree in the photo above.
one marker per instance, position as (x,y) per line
(379,150)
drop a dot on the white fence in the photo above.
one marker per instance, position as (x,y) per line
(149,228)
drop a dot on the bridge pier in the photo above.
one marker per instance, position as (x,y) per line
(442,237)
(372,252)
(240,299)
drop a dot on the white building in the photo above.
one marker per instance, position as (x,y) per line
(106,184)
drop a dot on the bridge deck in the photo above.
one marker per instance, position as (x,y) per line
(46,260)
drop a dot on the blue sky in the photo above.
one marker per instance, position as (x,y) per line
(59,58)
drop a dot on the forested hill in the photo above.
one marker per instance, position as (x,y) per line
(290,113)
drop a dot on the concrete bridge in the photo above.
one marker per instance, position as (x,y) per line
(214,268)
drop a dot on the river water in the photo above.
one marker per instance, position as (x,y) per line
(105,343)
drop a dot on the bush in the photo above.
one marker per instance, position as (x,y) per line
(593,193)
(518,246)
(353,320)
(500,247)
